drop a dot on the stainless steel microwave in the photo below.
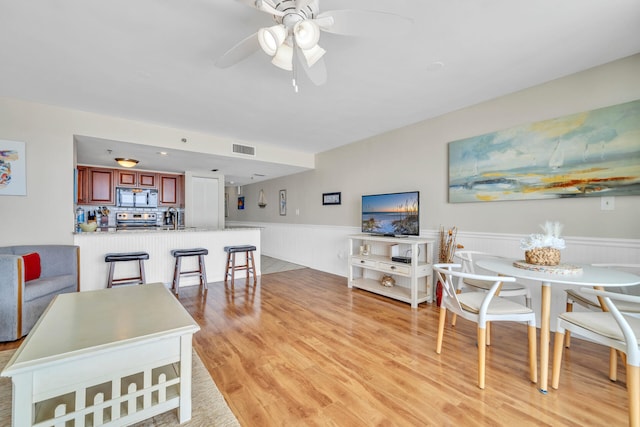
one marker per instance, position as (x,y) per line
(137,197)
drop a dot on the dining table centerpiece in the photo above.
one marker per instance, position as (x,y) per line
(544,248)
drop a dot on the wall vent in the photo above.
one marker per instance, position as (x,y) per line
(244,149)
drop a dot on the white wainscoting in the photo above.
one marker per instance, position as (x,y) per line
(325,248)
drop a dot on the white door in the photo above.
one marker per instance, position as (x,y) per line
(205,203)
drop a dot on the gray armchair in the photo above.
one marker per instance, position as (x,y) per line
(22,303)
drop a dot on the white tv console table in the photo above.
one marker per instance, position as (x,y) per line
(413,280)
(111,357)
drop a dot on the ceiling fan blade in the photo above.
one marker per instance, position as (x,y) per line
(239,52)
(301,4)
(367,23)
(262,5)
(317,73)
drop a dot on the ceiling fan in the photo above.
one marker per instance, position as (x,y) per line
(293,41)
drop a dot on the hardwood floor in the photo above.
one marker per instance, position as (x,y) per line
(303,349)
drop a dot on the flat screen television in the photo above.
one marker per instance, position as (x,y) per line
(391,214)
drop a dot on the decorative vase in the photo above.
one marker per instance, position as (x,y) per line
(542,256)
(387,281)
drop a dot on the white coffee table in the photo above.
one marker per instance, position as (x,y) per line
(108,357)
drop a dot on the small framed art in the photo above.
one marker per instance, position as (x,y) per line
(331,198)
(283,202)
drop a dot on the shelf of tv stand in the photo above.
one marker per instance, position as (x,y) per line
(399,293)
(414,280)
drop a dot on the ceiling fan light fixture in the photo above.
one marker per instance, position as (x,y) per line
(284,57)
(306,33)
(313,55)
(126,163)
(272,38)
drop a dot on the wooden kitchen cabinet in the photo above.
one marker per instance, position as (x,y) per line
(96,186)
(171,190)
(129,178)
(101,190)
(82,191)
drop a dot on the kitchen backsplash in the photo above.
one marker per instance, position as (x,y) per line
(112,211)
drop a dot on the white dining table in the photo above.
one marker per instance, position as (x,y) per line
(587,276)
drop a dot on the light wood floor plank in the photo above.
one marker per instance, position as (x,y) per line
(301,349)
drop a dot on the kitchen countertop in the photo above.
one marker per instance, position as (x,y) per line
(163,229)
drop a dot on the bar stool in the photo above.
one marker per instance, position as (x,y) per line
(121,257)
(177,272)
(249,266)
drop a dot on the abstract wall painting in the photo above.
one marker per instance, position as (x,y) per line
(589,154)
(13,169)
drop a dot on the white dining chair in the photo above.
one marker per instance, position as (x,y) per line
(591,302)
(468,258)
(482,307)
(611,328)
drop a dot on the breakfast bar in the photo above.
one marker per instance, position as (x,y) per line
(159,243)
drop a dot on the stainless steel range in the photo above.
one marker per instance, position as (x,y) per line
(136,220)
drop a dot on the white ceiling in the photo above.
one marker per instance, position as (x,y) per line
(153,61)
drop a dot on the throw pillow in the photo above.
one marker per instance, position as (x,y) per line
(32,269)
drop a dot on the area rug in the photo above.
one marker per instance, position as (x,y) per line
(208,405)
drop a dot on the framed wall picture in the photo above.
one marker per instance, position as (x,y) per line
(241,203)
(13,169)
(331,198)
(283,202)
(589,154)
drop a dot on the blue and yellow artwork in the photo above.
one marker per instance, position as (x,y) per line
(593,153)
(13,174)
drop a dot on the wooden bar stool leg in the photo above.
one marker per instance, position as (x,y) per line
(246,261)
(253,268)
(226,272)
(175,276)
(110,280)
(203,272)
(178,269)
(233,269)
(141,269)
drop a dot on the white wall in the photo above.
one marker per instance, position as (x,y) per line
(45,214)
(415,158)
(406,159)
